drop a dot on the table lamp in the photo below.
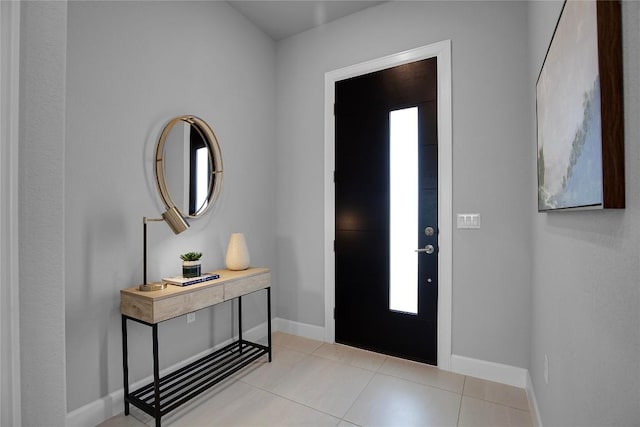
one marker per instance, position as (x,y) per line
(177,224)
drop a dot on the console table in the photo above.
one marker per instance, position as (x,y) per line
(164,394)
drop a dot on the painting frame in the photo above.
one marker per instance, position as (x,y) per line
(579,111)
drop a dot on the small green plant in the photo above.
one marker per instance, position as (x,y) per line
(191,256)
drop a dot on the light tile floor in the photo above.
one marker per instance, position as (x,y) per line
(312,383)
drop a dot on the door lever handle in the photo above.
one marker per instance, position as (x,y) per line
(427,249)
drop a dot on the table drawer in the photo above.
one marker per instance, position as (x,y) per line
(186,303)
(247,285)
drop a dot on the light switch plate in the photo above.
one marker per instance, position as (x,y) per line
(469,220)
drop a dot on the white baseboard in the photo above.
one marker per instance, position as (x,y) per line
(97,411)
(301,329)
(108,406)
(533,403)
(491,371)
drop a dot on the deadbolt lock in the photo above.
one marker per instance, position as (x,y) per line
(429,231)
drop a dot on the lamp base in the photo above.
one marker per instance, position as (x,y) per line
(152,287)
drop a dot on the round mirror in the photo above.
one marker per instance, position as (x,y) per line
(188,166)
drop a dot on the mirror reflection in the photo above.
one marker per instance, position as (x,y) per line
(188,166)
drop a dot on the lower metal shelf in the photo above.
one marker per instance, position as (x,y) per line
(187,382)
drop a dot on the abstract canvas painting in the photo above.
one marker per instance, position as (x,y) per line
(569,114)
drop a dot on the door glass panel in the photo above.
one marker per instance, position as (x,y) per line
(403,210)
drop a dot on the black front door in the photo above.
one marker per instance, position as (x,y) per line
(386,194)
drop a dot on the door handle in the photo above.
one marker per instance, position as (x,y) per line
(427,249)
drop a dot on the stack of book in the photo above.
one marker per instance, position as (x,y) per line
(186,281)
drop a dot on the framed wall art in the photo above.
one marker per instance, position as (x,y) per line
(579,111)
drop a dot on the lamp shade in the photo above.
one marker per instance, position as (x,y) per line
(175,221)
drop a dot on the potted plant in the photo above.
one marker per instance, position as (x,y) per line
(191,264)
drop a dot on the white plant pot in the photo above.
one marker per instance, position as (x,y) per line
(191,268)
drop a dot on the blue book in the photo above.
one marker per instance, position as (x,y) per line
(186,281)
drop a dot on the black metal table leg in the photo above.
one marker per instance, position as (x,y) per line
(125,365)
(240,324)
(269,321)
(156,375)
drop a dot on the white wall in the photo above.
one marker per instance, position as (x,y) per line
(42,208)
(131,66)
(585,292)
(491,148)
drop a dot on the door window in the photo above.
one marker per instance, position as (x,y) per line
(403,210)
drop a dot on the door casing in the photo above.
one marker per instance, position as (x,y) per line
(441,50)
(10,394)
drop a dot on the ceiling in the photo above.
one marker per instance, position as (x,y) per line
(282,19)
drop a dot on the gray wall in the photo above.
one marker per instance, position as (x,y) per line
(585,292)
(41,209)
(491,161)
(131,66)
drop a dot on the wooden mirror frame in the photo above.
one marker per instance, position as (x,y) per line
(215,160)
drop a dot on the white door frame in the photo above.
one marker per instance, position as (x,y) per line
(442,51)
(10,407)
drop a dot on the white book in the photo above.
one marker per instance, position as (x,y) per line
(186,281)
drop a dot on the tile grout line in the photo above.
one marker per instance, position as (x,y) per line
(307,355)
(420,383)
(495,402)
(351,365)
(357,397)
(464,382)
(295,402)
(499,404)
(386,357)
